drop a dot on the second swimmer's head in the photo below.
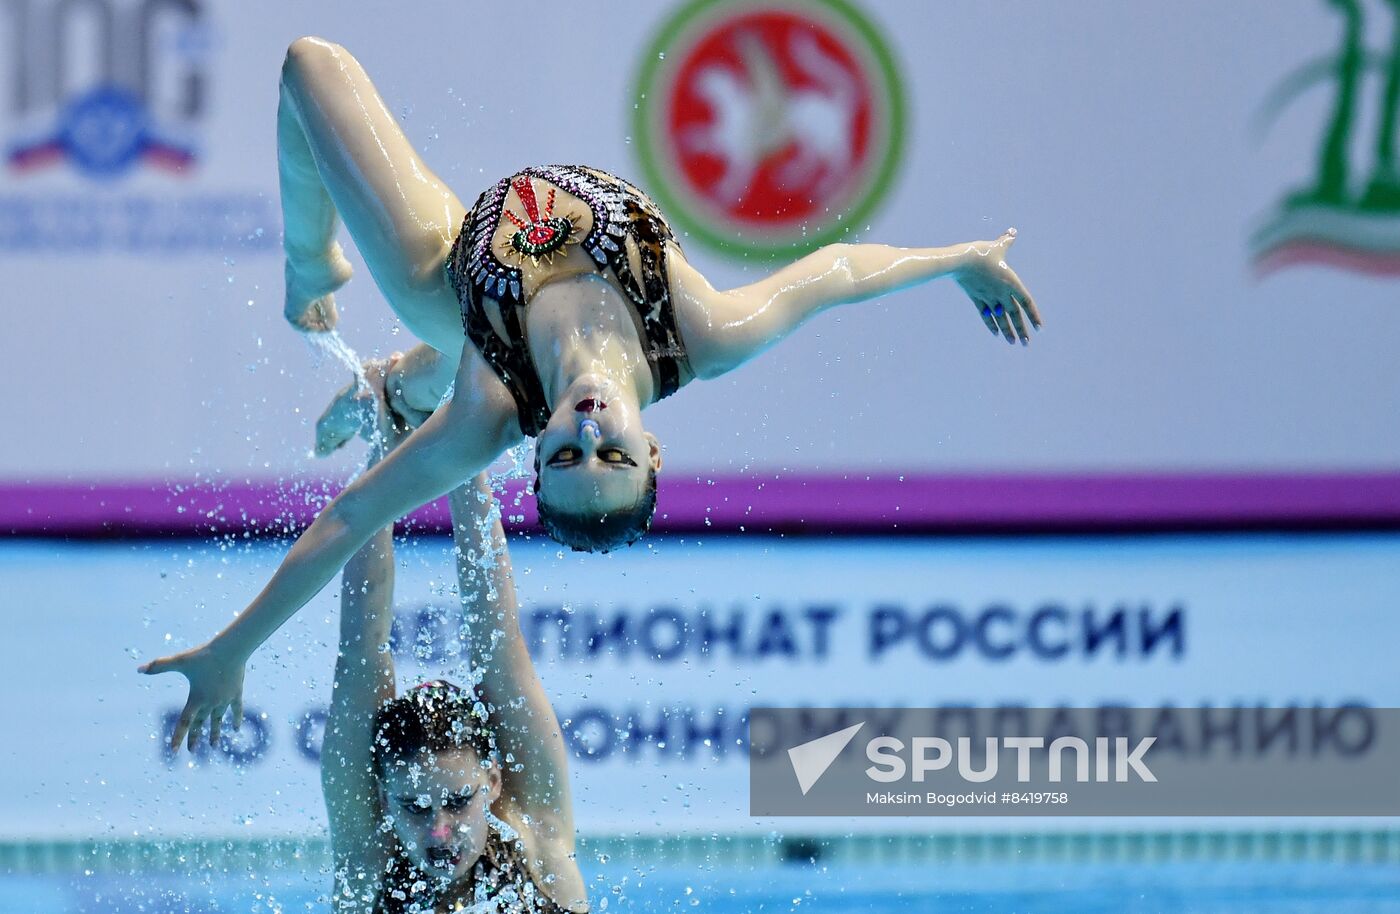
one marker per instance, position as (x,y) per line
(595,474)
(437,766)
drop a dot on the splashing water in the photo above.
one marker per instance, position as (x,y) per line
(329,344)
(518,468)
(482,560)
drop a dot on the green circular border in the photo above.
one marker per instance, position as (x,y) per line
(641,121)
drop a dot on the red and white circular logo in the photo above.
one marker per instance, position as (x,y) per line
(768,127)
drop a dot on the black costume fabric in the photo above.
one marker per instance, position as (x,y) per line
(500,883)
(627,237)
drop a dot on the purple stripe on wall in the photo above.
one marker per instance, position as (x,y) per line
(839,504)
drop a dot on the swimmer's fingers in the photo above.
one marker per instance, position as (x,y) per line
(182,727)
(196,728)
(215,677)
(1031,316)
(176,663)
(216,724)
(990,298)
(1003,320)
(1016,290)
(1006,289)
(1001,282)
(238,712)
(989,280)
(1018,320)
(1023,297)
(985,310)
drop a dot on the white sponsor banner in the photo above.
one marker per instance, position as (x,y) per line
(654,655)
(143,305)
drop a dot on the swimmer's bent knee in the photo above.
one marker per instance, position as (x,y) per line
(307,50)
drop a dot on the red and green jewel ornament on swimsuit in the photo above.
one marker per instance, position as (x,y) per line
(539,235)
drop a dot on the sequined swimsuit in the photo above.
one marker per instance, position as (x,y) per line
(500,883)
(509,247)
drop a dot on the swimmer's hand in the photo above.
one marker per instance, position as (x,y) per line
(310,306)
(364,411)
(216,686)
(1000,296)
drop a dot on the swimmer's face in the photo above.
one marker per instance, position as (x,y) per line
(437,803)
(594,455)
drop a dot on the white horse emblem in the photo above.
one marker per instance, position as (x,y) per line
(757,115)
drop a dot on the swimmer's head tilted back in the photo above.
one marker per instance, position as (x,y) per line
(595,470)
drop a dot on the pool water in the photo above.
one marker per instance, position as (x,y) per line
(1180,888)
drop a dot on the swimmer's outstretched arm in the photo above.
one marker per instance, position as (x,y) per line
(535,772)
(457,442)
(342,155)
(723,330)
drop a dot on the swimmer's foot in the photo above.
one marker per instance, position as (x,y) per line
(310,304)
(320,316)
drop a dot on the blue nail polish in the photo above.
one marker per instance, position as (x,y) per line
(1000,310)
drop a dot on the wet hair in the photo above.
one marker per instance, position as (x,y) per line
(591,531)
(437,716)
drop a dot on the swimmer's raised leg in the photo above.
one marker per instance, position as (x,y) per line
(724,329)
(342,155)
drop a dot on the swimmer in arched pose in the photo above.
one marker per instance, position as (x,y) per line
(424,815)
(579,307)
(579,310)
